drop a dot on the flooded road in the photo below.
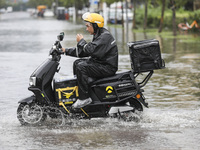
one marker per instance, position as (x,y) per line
(172,120)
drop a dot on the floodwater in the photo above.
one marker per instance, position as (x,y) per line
(172,120)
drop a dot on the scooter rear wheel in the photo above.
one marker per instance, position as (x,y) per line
(129,116)
(133,115)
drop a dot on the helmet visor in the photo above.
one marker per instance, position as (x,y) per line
(85,16)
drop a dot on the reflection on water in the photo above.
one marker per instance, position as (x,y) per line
(179,84)
(172,120)
(123,36)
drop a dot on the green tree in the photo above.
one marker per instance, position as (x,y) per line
(173,7)
(66,3)
(162,16)
(145,14)
(182,3)
(134,14)
(35,3)
(78,4)
(109,1)
(2,3)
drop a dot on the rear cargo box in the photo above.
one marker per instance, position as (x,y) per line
(145,56)
(66,89)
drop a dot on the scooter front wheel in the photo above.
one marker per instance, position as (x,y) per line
(30,114)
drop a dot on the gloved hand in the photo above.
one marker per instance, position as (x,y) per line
(65,50)
(69,51)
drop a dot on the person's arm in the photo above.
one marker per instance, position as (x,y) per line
(99,47)
(76,52)
(70,51)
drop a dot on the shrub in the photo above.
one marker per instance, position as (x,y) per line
(154,15)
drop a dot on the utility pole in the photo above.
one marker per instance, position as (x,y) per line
(173,16)
(134,14)
(127,28)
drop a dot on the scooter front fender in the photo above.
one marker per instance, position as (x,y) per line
(27,100)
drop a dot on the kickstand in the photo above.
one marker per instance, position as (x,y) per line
(84,112)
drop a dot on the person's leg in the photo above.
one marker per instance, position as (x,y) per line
(83,70)
(76,63)
(79,69)
(81,73)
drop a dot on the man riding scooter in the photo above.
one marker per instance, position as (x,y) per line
(102,53)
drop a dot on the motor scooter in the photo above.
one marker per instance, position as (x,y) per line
(118,96)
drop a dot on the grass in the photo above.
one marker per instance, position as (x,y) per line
(189,37)
(154,15)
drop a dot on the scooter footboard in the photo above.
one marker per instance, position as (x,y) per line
(132,105)
(28,100)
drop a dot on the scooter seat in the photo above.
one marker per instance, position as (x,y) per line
(117,76)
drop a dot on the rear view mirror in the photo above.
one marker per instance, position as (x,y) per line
(61,36)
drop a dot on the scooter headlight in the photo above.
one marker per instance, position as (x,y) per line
(32,81)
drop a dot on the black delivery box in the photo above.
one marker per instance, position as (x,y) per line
(145,56)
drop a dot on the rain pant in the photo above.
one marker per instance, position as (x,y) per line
(101,61)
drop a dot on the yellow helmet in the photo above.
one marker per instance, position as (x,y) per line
(93,18)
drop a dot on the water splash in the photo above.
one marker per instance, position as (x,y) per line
(171,119)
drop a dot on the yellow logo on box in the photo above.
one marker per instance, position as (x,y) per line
(109,89)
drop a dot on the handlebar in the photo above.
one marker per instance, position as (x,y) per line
(56,50)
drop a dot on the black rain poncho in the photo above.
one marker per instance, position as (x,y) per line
(102,61)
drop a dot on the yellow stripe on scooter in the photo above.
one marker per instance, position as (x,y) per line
(42,94)
(71,102)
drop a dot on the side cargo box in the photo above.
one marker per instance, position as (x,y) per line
(66,90)
(145,56)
